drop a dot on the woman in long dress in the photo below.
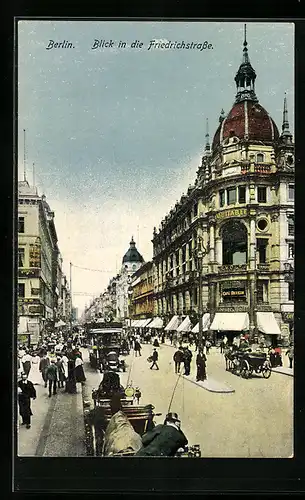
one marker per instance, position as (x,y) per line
(79,370)
(35,375)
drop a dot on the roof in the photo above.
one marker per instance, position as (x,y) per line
(132,255)
(247,120)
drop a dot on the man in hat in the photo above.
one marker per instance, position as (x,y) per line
(52,377)
(154,358)
(178,358)
(164,440)
(26,391)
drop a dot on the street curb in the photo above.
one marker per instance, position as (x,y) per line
(202,384)
(274,370)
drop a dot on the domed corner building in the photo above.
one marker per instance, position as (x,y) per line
(131,262)
(241,210)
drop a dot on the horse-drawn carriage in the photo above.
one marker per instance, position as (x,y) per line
(114,427)
(245,362)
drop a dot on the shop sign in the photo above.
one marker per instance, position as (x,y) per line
(233,212)
(34,256)
(29,301)
(288,316)
(36,309)
(236,292)
(28,273)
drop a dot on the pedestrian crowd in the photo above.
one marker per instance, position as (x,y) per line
(55,364)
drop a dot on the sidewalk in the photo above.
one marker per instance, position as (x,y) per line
(57,428)
(284,370)
(211,384)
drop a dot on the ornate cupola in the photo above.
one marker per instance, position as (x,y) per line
(247,120)
(245,77)
(132,255)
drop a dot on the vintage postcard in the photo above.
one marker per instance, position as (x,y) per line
(155,239)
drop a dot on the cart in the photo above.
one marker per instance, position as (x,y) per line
(245,363)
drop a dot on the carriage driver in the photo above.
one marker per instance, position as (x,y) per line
(164,440)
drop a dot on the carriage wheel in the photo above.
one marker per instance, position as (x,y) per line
(236,367)
(266,370)
(245,369)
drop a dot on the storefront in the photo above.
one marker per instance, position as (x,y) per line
(267,325)
(230,324)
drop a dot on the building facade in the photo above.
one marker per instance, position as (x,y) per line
(142,298)
(131,262)
(39,264)
(240,213)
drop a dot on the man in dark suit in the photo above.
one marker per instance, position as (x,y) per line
(26,391)
(164,440)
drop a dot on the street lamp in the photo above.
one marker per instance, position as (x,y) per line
(201,252)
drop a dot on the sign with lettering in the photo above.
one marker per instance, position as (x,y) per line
(233,212)
(36,309)
(29,301)
(236,292)
(34,256)
(28,273)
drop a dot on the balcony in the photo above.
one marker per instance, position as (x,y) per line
(263,267)
(232,268)
(259,168)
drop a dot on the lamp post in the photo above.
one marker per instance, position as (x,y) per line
(130,292)
(201,252)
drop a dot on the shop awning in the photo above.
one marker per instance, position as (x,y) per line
(205,324)
(60,323)
(230,322)
(266,323)
(173,324)
(185,326)
(135,322)
(23,325)
(156,323)
(146,323)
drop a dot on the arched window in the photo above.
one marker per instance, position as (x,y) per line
(259,158)
(234,243)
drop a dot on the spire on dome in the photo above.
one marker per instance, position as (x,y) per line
(132,243)
(285,125)
(207,137)
(245,76)
(222,116)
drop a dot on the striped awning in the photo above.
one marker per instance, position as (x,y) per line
(173,324)
(205,324)
(156,323)
(185,326)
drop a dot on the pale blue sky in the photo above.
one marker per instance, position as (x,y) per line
(116,134)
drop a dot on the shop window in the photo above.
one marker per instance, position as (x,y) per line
(222,197)
(290,225)
(291,192)
(241,194)
(262,194)
(290,250)
(231,196)
(21,290)
(21,257)
(259,158)
(290,291)
(261,245)
(20,224)
(234,243)
(262,291)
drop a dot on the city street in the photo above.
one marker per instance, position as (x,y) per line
(255,421)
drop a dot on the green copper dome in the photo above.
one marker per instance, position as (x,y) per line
(132,255)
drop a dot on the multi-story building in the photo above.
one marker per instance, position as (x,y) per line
(142,298)
(131,262)
(240,213)
(35,257)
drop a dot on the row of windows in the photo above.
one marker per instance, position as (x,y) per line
(233,195)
